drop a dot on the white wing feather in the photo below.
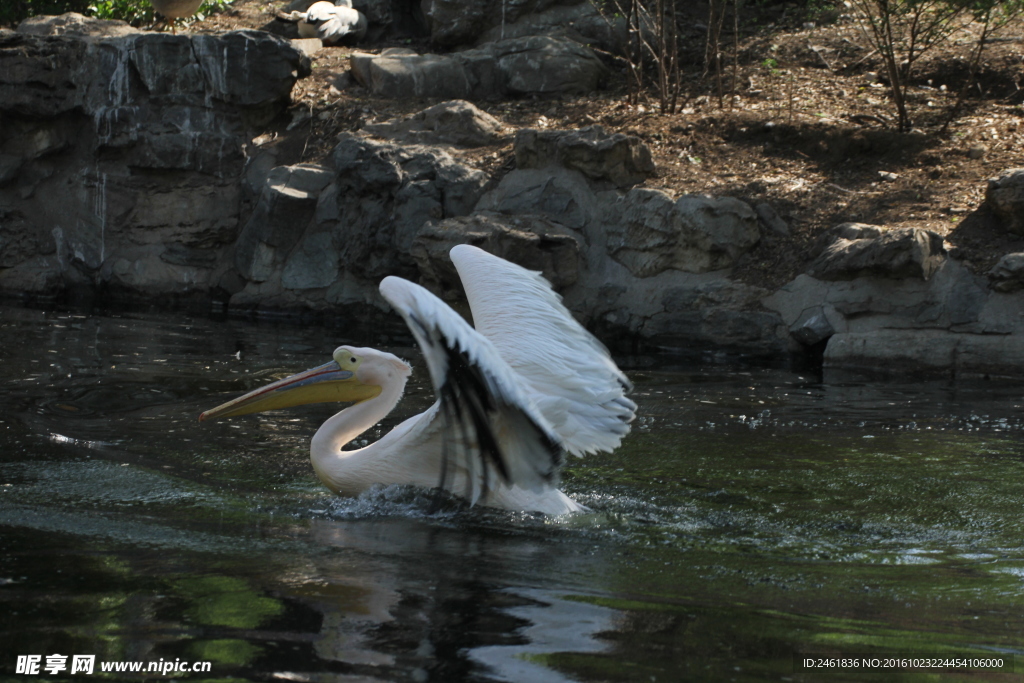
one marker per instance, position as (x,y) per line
(459,358)
(572,379)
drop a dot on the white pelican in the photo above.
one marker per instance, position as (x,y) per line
(331,22)
(176,9)
(526,386)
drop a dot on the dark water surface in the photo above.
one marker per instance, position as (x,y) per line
(752,517)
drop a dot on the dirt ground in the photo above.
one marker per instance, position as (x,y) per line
(812,132)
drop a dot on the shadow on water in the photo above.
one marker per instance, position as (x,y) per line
(754,517)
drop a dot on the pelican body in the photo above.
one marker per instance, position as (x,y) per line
(173,10)
(331,22)
(514,395)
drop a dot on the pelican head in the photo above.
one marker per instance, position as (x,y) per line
(355,375)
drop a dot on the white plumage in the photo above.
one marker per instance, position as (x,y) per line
(526,386)
(331,22)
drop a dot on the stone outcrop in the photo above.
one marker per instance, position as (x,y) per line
(457,23)
(927,352)
(531,241)
(856,250)
(74,24)
(454,123)
(536,65)
(623,160)
(326,235)
(1005,197)
(147,142)
(650,233)
(1008,274)
(141,137)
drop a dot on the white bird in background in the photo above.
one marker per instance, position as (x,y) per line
(331,22)
(528,385)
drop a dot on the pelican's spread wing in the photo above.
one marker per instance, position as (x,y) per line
(568,372)
(490,420)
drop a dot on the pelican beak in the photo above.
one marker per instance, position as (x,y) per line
(324,384)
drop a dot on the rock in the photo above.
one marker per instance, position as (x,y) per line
(898,253)
(623,160)
(559,194)
(844,231)
(455,23)
(17,243)
(74,24)
(1008,274)
(10,164)
(142,269)
(284,209)
(141,136)
(383,194)
(541,65)
(401,73)
(695,234)
(456,122)
(580,22)
(1005,197)
(813,327)
(197,212)
(926,353)
(535,65)
(709,315)
(313,264)
(531,241)
(249,68)
(771,219)
(307,46)
(38,275)
(179,255)
(721,293)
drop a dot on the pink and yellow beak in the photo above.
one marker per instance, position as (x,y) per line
(324,384)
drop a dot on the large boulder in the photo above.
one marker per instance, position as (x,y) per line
(1005,197)
(927,353)
(623,160)
(562,195)
(536,65)
(650,233)
(533,242)
(74,24)
(898,253)
(141,136)
(1008,274)
(456,122)
(285,207)
(455,23)
(400,73)
(383,194)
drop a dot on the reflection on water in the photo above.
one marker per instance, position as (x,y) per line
(753,515)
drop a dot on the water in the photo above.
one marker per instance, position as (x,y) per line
(754,516)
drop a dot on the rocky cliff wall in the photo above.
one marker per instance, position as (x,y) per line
(120,156)
(131,165)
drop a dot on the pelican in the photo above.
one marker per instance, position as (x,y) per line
(331,22)
(176,9)
(514,395)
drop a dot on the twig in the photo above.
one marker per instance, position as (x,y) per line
(818,51)
(863,118)
(843,189)
(862,59)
